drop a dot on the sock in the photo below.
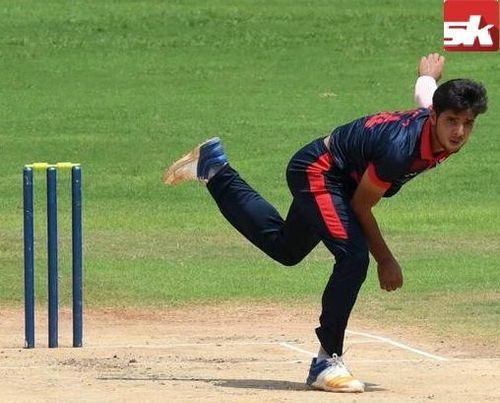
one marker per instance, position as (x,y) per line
(322,355)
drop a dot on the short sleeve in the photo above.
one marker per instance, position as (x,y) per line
(387,168)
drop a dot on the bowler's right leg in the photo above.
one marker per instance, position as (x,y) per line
(286,241)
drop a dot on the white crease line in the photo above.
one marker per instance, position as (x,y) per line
(222,343)
(56,368)
(269,362)
(300,350)
(175,345)
(400,345)
(143,346)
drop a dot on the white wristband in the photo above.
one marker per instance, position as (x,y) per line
(424,90)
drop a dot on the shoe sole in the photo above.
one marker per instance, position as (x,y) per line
(337,390)
(174,174)
(359,388)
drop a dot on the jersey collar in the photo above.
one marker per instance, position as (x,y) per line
(426,145)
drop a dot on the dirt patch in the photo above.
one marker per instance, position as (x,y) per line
(230,353)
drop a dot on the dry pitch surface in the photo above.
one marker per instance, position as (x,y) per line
(232,353)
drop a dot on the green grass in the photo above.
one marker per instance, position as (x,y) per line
(125,87)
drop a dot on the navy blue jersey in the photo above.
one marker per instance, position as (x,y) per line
(394,147)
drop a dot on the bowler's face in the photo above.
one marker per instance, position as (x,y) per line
(452,130)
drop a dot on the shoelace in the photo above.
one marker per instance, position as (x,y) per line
(337,361)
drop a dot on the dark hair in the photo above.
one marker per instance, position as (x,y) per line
(459,95)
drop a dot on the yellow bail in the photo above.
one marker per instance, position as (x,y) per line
(58,165)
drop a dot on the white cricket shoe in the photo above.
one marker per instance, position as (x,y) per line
(332,375)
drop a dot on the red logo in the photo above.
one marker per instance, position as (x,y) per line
(471,25)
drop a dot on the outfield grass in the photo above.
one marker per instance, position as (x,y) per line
(125,87)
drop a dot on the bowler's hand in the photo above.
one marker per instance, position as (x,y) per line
(431,65)
(390,275)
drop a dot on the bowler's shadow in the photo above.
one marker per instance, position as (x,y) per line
(271,384)
(263,384)
(266,384)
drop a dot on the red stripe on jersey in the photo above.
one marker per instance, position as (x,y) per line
(317,185)
(372,174)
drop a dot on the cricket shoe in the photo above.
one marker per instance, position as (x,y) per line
(332,375)
(199,164)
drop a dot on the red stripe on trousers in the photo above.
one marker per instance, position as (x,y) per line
(317,184)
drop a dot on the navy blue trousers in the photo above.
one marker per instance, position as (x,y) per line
(320,211)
